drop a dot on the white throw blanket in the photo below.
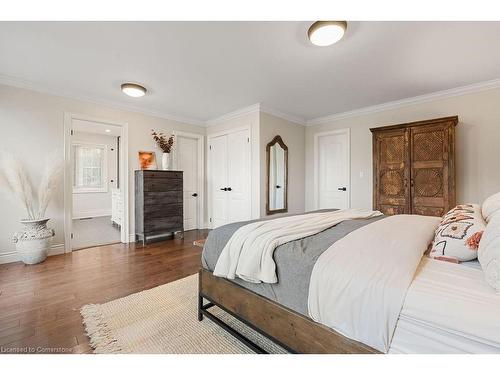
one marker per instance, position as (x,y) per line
(359,284)
(249,252)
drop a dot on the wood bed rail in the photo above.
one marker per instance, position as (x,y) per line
(295,332)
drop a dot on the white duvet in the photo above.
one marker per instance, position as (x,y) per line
(249,252)
(359,284)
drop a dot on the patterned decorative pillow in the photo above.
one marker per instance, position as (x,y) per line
(458,235)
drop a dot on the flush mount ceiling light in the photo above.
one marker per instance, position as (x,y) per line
(326,33)
(133,89)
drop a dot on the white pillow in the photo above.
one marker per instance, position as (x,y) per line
(491,206)
(489,252)
(459,234)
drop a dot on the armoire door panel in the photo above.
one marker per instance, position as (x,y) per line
(429,168)
(391,158)
(391,210)
(429,211)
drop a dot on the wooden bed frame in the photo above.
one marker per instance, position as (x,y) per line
(293,331)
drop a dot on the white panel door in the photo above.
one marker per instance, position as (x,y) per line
(238,168)
(187,161)
(333,171)
(219,182)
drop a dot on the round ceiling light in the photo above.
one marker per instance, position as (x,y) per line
(326,33)
(133,89)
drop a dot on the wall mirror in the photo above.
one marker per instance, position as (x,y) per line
(277,176)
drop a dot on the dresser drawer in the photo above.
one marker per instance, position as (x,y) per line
(161,198)
(162,184)
(173,223)
(162,174)
(164,210)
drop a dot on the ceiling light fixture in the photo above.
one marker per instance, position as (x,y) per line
(133,89)
(108,131)
(326,33)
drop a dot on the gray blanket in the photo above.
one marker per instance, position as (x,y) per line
(294,261)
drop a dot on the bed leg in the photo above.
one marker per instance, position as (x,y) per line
(200,307)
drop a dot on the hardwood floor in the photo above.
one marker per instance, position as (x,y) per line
(39,305)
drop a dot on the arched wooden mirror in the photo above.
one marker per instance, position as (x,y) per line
(277,176)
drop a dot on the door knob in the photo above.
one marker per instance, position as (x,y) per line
(224,189)
(194,194)
(278,187)
(229,189)
(342,188)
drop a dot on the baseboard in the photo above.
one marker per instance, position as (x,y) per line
(91,213)
(14,257)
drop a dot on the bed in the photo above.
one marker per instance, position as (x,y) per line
(439,314)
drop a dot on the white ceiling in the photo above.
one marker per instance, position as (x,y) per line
(201,70)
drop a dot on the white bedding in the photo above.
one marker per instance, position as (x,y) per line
(249,252)
(359,284)
(449,308)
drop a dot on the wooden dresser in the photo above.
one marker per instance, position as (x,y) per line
(158,204)
(414,167)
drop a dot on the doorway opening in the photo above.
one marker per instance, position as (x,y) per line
(95,184)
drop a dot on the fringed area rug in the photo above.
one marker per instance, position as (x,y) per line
(164,320)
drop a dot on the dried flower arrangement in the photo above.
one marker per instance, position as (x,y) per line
(14,178)
(162,141)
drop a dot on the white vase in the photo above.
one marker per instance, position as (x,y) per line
(165,161)
(33,243)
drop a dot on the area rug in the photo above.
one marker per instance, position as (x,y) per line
(164,320)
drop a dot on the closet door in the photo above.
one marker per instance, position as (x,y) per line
(431,157)
(391,171)
(219,181)
(238,167)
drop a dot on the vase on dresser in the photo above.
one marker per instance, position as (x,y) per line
(165,161)
(33,243)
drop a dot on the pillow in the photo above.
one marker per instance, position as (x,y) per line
(489,252)
(458,235)
(491,206)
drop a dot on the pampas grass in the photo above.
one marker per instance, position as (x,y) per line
(53,171)
(13,178)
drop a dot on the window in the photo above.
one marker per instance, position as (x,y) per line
(90,168)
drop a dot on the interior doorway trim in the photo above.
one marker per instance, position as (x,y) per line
(317,136)
(201,171)
(68,183)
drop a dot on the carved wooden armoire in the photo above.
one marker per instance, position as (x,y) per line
(414,167)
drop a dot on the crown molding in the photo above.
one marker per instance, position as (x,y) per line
(295,119)
(458,91)
(234,114)
(29,85)
(252,109)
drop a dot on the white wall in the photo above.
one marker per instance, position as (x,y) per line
(97,204)
(245,120)
(31,125)
(293,135)
(477,150)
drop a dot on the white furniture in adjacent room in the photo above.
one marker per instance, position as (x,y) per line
(116,207)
